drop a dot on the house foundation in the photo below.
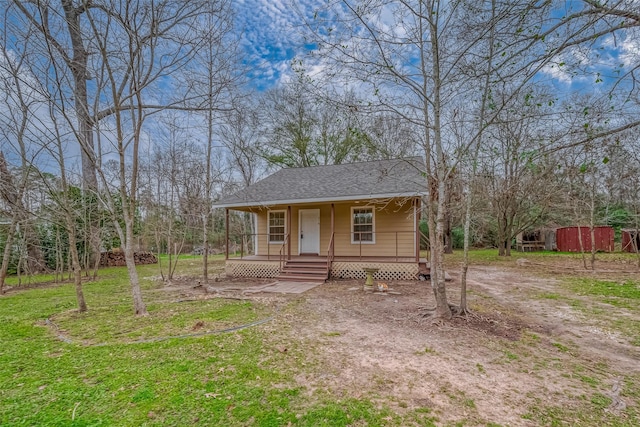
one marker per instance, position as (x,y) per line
(386,270)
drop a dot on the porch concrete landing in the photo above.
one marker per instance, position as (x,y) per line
(283,287)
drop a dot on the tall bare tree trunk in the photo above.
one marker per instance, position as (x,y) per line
(78,66)
(581,243)
(465,256)
(75,265)
(6,255)
(70,223)
(443,310)
(592,218)
(501,237)
(474,163)
(139,306)
(207,198)
(448,233)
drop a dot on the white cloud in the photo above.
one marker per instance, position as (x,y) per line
(272,35)
(630,52)
(564,68)
(557,72)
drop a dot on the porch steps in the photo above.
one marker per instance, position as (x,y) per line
(304,271)
(424,270)
(424,267)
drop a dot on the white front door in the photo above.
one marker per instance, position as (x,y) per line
(309,237)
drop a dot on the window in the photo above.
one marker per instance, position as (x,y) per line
(276,226)
(362,225)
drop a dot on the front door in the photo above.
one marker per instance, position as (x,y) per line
(309,237)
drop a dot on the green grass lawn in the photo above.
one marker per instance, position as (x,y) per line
(484,256)
(175,367)
(104,378)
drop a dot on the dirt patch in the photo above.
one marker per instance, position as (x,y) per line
(507,328)
(555,318)
(189,286)
(382,346)
(516,352)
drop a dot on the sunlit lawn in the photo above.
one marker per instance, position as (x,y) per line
(483,256)
(101,375)
(178,367)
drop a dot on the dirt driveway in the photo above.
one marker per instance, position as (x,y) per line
(530,355)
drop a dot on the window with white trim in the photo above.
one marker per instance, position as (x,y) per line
(362,225)
(276,226)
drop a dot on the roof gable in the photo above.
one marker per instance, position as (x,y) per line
(365,180)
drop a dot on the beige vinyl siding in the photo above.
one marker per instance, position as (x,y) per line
(264,246)
(393,222)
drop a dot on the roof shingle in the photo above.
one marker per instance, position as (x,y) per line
(365,180)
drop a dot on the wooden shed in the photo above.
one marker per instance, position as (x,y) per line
(542,239)
(568,238)
(630,240)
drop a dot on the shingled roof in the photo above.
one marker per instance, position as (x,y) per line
(366,180)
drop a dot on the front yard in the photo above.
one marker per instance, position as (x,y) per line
(548,344)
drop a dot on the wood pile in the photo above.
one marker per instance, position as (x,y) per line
(212,251)
(116,258)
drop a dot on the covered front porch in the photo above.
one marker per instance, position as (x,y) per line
(330,240)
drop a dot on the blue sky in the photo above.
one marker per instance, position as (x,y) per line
(271,37)
(271,33)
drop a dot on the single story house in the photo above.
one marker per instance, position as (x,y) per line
(331,221)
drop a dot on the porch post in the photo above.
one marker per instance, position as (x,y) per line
(416,214)
(333,220)
(226,234)
(288,232)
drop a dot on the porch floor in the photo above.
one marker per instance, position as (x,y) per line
(318,258)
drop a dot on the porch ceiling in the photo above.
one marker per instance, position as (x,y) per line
(364,201)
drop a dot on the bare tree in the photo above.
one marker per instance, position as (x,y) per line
(413,56)
(309,126)
(520,187)
(8,195)
(241,135)
(139,44)
(217,59)
(68,42)
(409,55)
(172,190)
(64,200)
(584,170)
(15,117)
(32,133)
